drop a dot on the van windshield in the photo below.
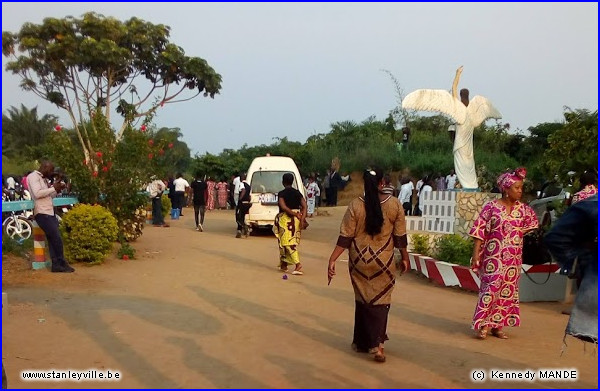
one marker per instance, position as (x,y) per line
(268,181)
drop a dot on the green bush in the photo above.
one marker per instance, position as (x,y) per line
(454,249)
(88,233)
(165,205)
(126,250)
(420,244)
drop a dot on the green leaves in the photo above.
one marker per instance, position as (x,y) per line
(24,132)
(454,249)
(94,55)
(574,147)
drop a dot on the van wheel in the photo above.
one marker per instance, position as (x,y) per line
(253,230)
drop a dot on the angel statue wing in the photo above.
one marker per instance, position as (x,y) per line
(438,101)
(480,109)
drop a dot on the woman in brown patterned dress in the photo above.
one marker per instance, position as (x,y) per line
(372,226)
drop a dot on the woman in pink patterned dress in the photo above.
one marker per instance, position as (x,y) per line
(210,188)
(497,256)
(222,194)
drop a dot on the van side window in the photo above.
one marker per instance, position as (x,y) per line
(268,181)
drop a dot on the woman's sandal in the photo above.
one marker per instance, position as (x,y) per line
(297,272)
(482,333)
(379,356)
(499,334)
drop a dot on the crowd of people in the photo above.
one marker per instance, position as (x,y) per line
(373,226)
(411,193)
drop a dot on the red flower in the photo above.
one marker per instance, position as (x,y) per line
(170,145)
(105,169)
(143,128)
(99,154)
(150,156)
(162,103)
(95,173)
(57,128)
(85,161)
(150,142)
(125,257)
(161,152)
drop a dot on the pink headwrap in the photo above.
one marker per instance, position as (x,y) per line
(508,179)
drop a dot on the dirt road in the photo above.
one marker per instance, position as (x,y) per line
(206,310)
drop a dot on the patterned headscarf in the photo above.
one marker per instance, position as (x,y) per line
(508,179)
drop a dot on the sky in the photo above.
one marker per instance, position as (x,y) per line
(292,69)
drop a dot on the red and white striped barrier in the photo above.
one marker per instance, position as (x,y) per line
(449,274)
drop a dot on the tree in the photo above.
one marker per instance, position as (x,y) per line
(23,132)
(574,147)
(124,169)
(534,147)
(178,159)
(99,62)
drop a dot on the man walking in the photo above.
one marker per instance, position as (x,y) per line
(200,192)
(243,206)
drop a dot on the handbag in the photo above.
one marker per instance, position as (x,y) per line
(534,249)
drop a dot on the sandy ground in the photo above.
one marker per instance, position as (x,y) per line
(207,310)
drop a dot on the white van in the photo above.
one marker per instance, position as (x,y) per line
(264,176)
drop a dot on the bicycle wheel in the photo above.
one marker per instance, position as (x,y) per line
(18,229)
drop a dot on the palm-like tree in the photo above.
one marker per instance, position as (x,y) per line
(23,132)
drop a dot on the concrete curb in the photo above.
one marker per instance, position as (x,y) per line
(449,274)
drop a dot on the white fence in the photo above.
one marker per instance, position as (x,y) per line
(415,223)
(439,208)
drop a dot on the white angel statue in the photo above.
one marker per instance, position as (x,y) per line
(467,116)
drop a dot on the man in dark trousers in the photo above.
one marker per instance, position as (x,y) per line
(242,207)
(42,194)
(155,190)
(335,182)
(200,192)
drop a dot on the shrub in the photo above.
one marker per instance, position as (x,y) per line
(88,233)
(126,250)
(130,229)
(454,249)
(165,205)
(420,244)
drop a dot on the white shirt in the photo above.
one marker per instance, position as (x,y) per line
(312,190)
(239,187)
(419,186)
(156,187)
(450,181)
(406,192)
(236,183)
(424,189)
(181,184)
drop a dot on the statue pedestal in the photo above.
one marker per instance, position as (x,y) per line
(468,205)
